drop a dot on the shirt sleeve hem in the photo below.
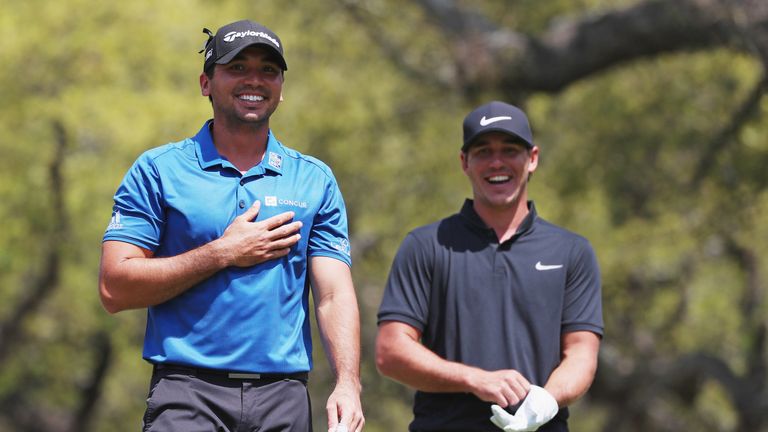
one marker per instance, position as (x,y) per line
(339,256)
(401,318)
(133,241)
(583,327)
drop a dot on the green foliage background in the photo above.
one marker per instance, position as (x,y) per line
(619,154)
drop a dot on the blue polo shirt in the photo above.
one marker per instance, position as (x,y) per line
(183,195)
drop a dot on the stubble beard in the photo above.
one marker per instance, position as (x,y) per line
(247,120)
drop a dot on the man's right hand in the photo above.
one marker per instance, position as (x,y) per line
(502,387)
(246,243)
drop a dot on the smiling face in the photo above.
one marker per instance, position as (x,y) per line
(498,167)
(246,90)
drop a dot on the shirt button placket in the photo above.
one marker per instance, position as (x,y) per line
(498,257)
(241,204)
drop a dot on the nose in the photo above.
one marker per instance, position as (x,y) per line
(496,160)
(254,78)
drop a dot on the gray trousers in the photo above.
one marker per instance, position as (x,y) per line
(192,400)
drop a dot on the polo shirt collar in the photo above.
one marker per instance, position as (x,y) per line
(471,216)
(208,156)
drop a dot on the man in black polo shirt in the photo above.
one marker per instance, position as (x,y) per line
(493,314)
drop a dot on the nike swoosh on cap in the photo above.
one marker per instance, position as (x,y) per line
(542,267)
(485,122)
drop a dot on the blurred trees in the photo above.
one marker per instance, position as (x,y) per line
(651,118)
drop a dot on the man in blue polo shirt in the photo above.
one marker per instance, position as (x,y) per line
(493,315)
(220,237)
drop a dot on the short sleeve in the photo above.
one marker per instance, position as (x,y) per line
(329,235)
(582,308)
(137,214)
(407,293)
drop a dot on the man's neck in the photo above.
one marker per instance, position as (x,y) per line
(244,146)
(504,221)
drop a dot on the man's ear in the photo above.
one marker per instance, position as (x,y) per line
(205,85)
(534,159)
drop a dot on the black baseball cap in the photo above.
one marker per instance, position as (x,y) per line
(233,38)
(497,117)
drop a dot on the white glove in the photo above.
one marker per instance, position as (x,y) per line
(341,427)
(538,408)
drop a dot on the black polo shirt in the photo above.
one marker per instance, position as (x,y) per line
(490,305)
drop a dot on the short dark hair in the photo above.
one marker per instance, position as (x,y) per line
(209,73)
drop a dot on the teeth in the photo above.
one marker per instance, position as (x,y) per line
(252,98)
(498,178)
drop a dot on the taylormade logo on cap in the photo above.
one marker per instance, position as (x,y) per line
(231,36)
(231,39)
